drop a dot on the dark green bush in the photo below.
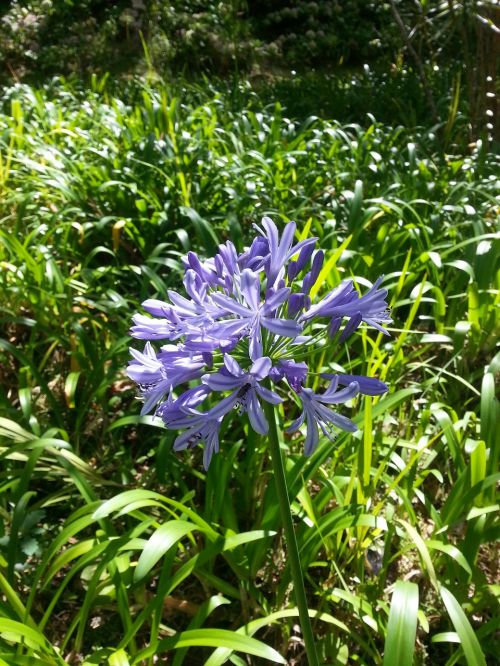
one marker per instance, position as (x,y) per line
(319,32)
(61,37)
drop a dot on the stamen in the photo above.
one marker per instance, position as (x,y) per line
(194,439)
(241,404)
(144,388)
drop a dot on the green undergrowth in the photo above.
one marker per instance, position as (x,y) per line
(115,550)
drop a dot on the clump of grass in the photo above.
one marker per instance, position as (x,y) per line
(103,191)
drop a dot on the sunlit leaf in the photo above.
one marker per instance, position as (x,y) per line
(402,626)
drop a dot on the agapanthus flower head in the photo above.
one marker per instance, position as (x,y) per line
(244,330)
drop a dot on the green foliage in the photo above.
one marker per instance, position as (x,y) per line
(402,625)
(347,94)
(65,36)
(306,33)
(79,37)
(112,547)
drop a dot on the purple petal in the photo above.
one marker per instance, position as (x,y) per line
(253,257)
(337,397)
(293,271)
(295,425)
(304,256)
(224,406)
(233,366)
(153,329)
(154,395)
(261,367)
(334,326)
(195,286)
(211,447)
(185,305)
(367,385)
(275,298)
(197,267)
(285,327)
(296,303)
(255,346)
(332,387)
(302,340)
(182,441)
(351,326)
(228,328)
(192,397)
(141,374)
(268,395)
(229,256)
(230,305)
(299,247)
(342,422)
(256,414)
(278,250)
(175,418)
(336,296)
(156,307)
(294,372)
(272,234)
(312,437)
(219,382)
(376,325)
(250,288)
(287,240)
(147,355)
(311,278)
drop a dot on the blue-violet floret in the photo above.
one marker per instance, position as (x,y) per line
(244,331)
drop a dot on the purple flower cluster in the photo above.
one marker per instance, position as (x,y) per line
(241,332)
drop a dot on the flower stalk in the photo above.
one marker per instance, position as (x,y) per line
(243,332)
(291,541)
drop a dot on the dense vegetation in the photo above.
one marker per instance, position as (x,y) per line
(113,548)
(54,36)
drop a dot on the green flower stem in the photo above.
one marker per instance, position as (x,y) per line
(291,541)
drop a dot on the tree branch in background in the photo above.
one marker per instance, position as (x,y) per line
(418,63)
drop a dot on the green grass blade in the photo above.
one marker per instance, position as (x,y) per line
(160,542)
(422,549)
(204,611)
(118,658)
(469,642)
(221,655)
(490,418)
(214,638)
(402,626)
(125,499)
(20,633)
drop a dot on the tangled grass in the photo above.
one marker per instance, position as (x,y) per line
(115,550)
